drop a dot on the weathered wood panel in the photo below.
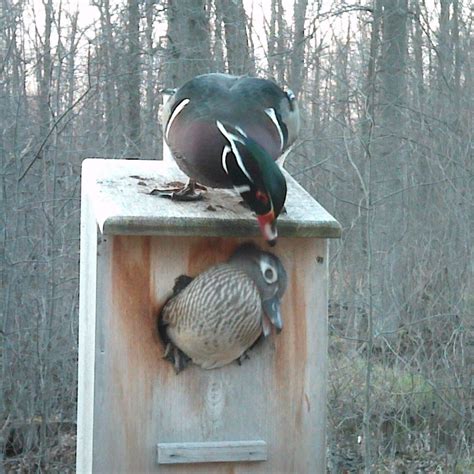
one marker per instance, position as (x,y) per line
(224,451)
(277,396)
(123,205)
(87,329)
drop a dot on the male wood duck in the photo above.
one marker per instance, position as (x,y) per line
(226,131)
(216,317)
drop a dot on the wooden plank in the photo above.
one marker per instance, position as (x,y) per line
(120,193)
(87,328)
(223,451)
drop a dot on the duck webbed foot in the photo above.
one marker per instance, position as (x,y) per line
(177,357)
(180,192)
(244,356)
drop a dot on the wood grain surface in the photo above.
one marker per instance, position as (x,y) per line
(120,194)
(217,451)
(277,396)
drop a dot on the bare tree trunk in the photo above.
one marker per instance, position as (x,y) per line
(271,39)
(316,89)
(250,28)
(134,78)
(281,44)
(457,59)
(150,123)
(342,80)
(109,65)
(45,71)
(366,183)
(71,59)
(276,42)
(299,42)
(189,49)
(444,45)
(368,122)
(43,191)
(219,39)
(389,166)
(418,51)
(239,60)
(394,61)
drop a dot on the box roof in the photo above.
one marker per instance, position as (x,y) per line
(119,194)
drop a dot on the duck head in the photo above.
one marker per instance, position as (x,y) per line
(255,176)
(270,277)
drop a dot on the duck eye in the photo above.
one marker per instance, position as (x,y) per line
(269,274)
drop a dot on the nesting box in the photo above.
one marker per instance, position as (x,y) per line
(134,413)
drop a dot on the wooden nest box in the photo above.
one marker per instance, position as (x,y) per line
(134,413)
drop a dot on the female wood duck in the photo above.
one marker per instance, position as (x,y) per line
(226,131)
(216,317)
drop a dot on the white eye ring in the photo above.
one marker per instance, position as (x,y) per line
(269,274)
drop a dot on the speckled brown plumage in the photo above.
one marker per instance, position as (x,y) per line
(220,313)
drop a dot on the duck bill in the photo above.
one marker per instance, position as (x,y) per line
(268,227)
(272,311)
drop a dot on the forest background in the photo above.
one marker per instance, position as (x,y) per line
(386,94)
